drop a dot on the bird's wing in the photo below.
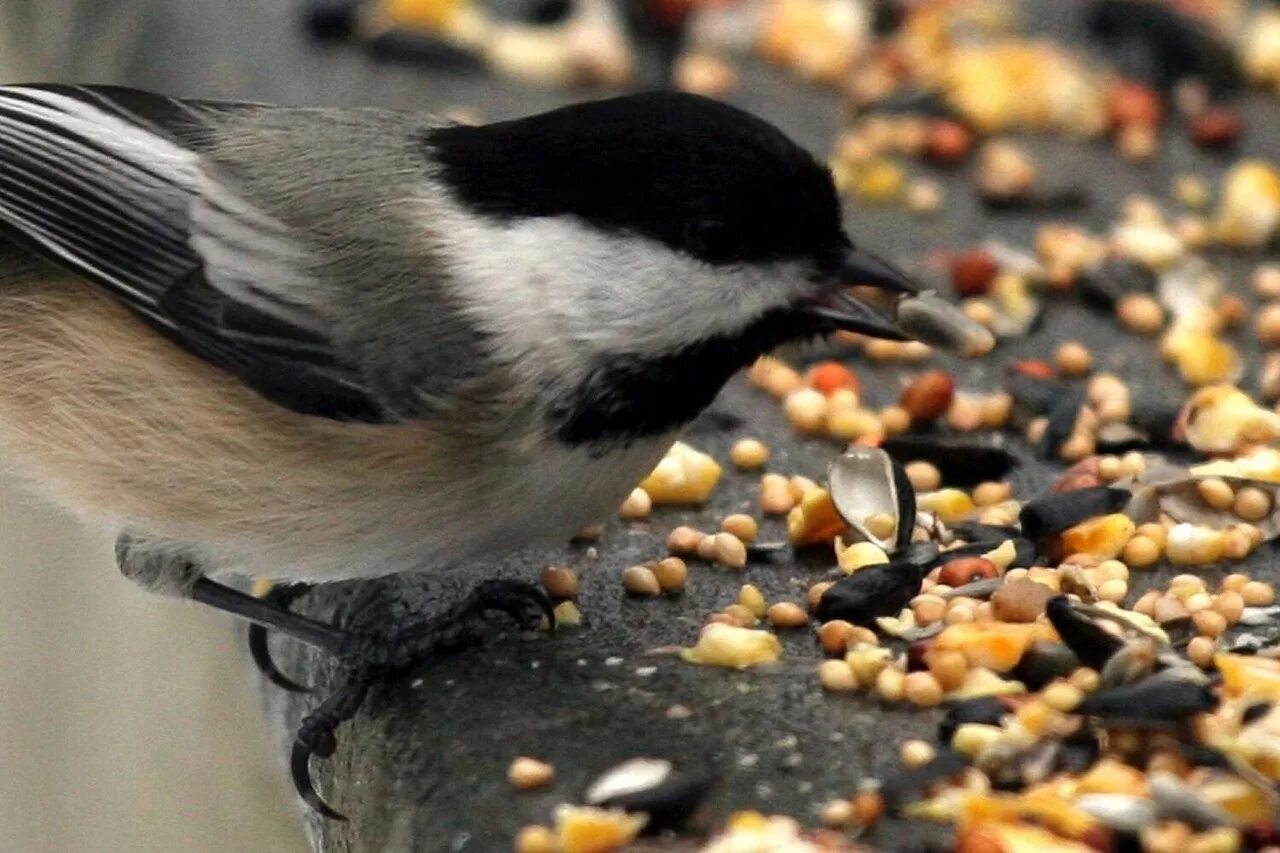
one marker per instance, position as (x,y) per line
(115,185)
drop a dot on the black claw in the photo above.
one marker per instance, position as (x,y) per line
(300,767)
(260,652)
(261,655)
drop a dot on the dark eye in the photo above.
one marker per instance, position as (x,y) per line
(711,240)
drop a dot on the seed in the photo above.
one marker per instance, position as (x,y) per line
(859,555)
(775,495)
(527,773)
(1230,604)
(837,814)
(891,685)
(749,454)
(1138,142)
(972,272)
(835,636)
(1236,545)
(752,598)
(559,582)
(816,592)
(923,197)
(916,753)
(959,613)
(1190,545)
(742,617)
(638,505)
(742,526)
(1020,600)
(1197,602)
(537,839)
(928,396)
(922,689)
(965,413)
(837,676)
(1252,504)
(970,739)
(1113,590)
(986,494)
(1233,582)
(787,614)
(1215,492)
(1266,281)
(1085,680)
(774,376)
(1113,570)
(949,666)
(1073,358)
(1210,623)
(640,580)
(1217,127)
(729,551)
(928,608)
(963,570)
(867,662)
(1257,594)
(995,410)
(1140,313)
(947,142)
(1168,609)
(684,540)
(894,419)
(881,525)
(672,574)
(828,377)
(801,486)
(1146,603)
(1140,552)
(868,807)
(1233,310)
(1200,650)
(1191,191)
(924,476)
(806,410)
(1104,536)
(707,549)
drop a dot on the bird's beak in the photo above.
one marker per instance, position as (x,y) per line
(834,304)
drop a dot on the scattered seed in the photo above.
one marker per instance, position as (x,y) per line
(922,689)
(1140,313)
(537,839)
(528,773)
(637,506)
(1252,504)
(749,454)
(1257,594)
(924,476)
(891,685)
(837,813)
(806,410)
(560,582)
(684,541)
(1200,650)
(640,580)
(916,753)
(1073,358)
(776,497)
(1210,623)
(752,598)
(672,574)
(787,614)
(729,550)
(742,526)
(837,676)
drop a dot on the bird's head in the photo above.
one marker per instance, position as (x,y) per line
(656,233)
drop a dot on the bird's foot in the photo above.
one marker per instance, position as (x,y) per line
(377,659)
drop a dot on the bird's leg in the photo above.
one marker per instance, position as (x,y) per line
(162,566)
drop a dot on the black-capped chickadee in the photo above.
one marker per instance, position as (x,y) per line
(318,344)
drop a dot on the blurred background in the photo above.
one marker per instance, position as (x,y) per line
(131,723)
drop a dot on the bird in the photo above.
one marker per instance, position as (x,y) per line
(313,344)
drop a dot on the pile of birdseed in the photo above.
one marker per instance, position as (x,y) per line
(1086,708)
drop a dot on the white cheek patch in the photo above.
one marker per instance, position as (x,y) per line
(547,281)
